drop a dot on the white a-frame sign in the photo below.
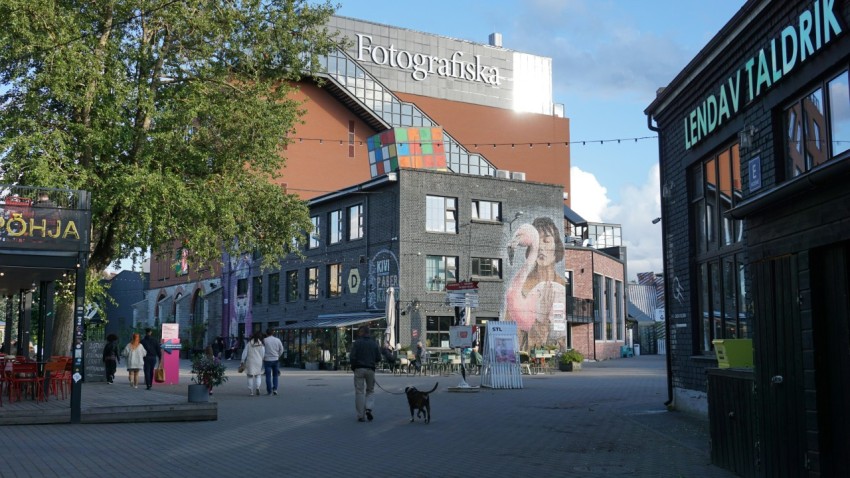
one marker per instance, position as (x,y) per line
(501,362)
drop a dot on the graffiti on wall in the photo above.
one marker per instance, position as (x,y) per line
(240,294)
(535,295)
(383,274)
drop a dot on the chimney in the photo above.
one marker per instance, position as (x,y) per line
(496,39)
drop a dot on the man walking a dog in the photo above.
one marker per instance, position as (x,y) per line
(365,353)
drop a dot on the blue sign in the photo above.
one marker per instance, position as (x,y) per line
(755,173)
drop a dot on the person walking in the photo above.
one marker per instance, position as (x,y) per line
(135,354)
(271,361)
(252,360)
(110,357)
(365,353)
(153,353)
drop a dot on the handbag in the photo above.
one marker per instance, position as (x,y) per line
(159,375)
(241,367)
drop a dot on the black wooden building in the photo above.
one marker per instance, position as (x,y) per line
(754,146)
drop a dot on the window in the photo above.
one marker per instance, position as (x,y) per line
(817,126)
(257,290)
(597,307)
(719,292)
(716,188)
(312,283)
(722,298)
(291,286)
(609,308)
(315,234)
(437,331)
(355,222)
(241,287)
(274,288)
(441,214)
(335,225)
(485,267)
(438,271)
(568,278)
(334,280)
(487,211)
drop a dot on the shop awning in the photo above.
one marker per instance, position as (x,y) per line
(335,320)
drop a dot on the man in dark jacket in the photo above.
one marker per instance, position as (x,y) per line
(152,353)
(365,353)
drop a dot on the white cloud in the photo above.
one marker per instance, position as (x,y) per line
(639,205)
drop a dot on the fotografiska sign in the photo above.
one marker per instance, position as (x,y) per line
(816,27)
(422,65)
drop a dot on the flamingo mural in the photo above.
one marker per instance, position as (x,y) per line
(536,296)
(521,307)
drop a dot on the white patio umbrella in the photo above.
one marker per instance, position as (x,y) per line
(390,333)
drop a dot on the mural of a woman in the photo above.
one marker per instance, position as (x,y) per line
(536,293)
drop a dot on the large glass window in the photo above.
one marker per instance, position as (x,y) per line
(315,234)
(291,286)
(486,267)
(487,210)
(441,214)
(839,113)
(274,288)
(720,294)
(597,307)
(334,280)
(335,226)
(312,283)
(716,189)
(355,222)
(438,271)
(343,70)
(817,126)
(257,291)
(437,331)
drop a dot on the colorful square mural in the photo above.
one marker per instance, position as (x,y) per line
(420,148)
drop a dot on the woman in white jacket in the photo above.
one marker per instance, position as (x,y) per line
(252,359)
(135,354)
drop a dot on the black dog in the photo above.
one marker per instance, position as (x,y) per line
(418,400)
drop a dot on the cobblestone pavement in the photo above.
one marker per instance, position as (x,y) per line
(607,420)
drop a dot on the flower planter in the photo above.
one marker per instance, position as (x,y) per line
(198,393)
(569,366)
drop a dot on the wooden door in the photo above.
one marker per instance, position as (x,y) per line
(830,273)
(779,367)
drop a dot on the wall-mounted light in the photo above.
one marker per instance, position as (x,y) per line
(517,215)
(746,137)
(656,220)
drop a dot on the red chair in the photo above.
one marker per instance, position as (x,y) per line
(54,378)
(24,376)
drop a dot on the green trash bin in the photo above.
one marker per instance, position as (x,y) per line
(734,353)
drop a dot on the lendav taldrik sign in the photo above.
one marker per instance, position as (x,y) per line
(815,28)
(422,65)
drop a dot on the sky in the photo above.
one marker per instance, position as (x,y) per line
(609,57)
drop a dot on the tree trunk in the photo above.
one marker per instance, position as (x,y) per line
(63,329)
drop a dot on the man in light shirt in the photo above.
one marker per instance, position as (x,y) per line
(271,361)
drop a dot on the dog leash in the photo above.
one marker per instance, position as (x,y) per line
(384,389)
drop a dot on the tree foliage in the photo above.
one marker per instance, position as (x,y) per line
(173,113)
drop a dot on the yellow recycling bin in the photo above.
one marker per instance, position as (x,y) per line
(734,353)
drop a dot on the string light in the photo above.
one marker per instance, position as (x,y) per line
(513,145)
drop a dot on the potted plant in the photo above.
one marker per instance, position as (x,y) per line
(570,360)
(311,356)
(208,373)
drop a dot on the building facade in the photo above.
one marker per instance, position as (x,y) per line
(754,141)
(494,109)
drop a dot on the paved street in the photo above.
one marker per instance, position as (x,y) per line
(608,419)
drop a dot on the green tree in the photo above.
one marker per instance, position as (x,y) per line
(173,113)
